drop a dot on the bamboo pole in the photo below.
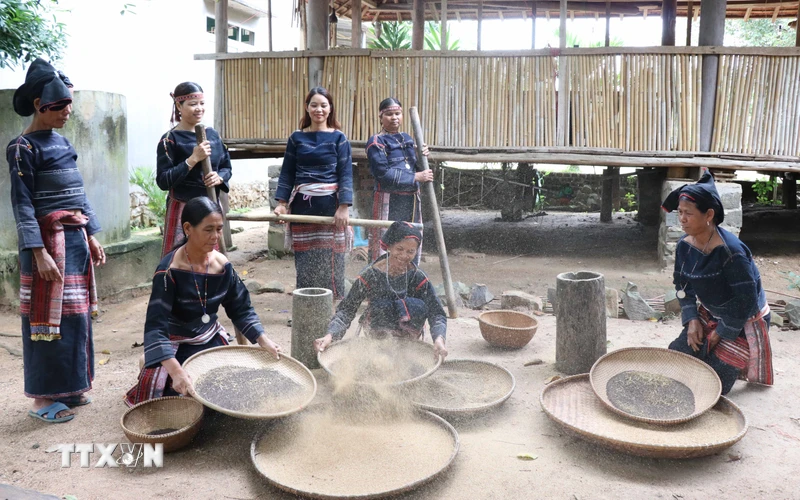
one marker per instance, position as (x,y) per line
(430,196)
(312,219)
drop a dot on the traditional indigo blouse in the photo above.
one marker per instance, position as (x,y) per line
(726,282)
(174,308)
(174,175)
(393,162)
(44,178)
(317,157)
(383,296)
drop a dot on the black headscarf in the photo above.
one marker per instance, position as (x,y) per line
(44,82)
(400,231)
(703,193)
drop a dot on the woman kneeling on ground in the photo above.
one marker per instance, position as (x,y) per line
(401,298)
(189,286)
(723,306)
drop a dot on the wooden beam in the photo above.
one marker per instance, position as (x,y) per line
(669,12)
(443,29)
(608,23)
(775,14)
(533,24)
(563,76)
(579,51)
(355,16)
(418,25)
(480,23)
(790,191)
(605,196)
(747,14)
(689,22)
(269,22)
(712,32)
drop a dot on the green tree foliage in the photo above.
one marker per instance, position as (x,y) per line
(759,33)
(29,29)
(433,38)
(145,178)
(397,36)
(390,36)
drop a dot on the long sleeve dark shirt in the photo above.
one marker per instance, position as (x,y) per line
(392,162)
(173,173)
(317,157)
(726,282)
(45,178)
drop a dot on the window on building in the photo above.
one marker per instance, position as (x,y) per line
(233,32)
(248,37)
(210,24)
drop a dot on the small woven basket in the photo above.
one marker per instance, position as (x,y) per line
(172,412)
(700,378)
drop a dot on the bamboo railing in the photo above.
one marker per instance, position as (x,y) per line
(625,99)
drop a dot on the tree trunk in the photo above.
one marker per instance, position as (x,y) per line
(580,321)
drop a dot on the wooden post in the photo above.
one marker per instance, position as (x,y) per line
(563,76)
(221,46)
(580,321)
(615,188)
(430,198)
(317,15)
(712,31)
(790,190)
(608,23)
(669,12)
(443,24)
(533,24)
(418,29)
(355,15)
(689,19)
(797,28)
(269,22)
(480,22)
(605,201)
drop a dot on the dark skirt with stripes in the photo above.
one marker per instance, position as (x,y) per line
(319,250)
(63,367)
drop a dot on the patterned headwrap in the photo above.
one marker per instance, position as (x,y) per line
(187,97)
(399,231)
(44,82)
(390,108)
(703,193)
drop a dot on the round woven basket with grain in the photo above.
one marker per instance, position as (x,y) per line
(571,403)
(509,329)
(249,382)
(694,374)
(172,420)
(463,387)
(385,362)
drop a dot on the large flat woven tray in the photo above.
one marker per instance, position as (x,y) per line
(402,361)
(296,389)
(571,403)
(314,454)
(700,378)
(462,387)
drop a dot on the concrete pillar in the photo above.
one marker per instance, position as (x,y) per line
(221,47)
(712,31)
(356,30)
(443,23)
(649,181)
(317,16)
(670,229)
(790,190)
(669,12)
(608,23)
(312,309)
(533,24)
(480,22)
(418,28)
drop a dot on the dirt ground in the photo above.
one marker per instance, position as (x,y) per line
(525,256)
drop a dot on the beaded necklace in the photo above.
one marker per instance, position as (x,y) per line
(203,300)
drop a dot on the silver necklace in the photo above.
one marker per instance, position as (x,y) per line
(682,293)
(402,146)
(405,290)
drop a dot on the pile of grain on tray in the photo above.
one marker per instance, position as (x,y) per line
(250,390)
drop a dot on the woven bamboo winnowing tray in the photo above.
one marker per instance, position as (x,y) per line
(700,378)
(254,357)
(477,385)
(572,404)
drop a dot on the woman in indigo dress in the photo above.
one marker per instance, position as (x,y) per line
(723,306)
(57,247)
(190,285)
(401,298)
(317,179)
(392,162)
(178,158)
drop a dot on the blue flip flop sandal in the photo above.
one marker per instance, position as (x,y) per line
(73,401)
(48,413)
